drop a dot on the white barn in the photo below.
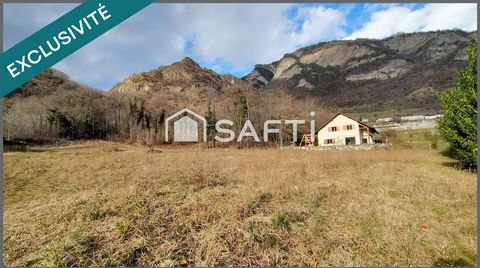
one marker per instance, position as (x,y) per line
(343,130)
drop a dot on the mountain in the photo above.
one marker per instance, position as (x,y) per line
(46,83)
(181,83)
(405,71)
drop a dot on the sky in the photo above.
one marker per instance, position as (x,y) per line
(227,38)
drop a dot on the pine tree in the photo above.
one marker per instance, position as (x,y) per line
(459,123)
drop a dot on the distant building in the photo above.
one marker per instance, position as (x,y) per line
(384,120)
(412,118)
(433,117)
(343,130)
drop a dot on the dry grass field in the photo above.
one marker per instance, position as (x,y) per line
(108,204)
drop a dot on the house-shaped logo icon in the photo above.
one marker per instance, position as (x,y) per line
(185,129)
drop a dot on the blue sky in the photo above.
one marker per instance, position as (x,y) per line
(228,38)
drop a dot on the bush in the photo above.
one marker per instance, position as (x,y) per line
(459,124)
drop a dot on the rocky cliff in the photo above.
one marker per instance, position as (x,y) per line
(400,72)
(181,83)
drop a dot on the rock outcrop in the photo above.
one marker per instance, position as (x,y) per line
(184,83)
(368,74)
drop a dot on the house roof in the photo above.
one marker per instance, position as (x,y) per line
(335,116)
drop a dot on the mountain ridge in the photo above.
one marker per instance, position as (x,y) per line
(370,74)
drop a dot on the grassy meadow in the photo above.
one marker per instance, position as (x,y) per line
(111,204)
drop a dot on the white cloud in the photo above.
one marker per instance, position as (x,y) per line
(16,27)
(431,17)
(319,24)
(242,34)
(443,16)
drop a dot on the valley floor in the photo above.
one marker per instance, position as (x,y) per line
(100,203)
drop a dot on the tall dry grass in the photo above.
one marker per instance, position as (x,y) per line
(106,204)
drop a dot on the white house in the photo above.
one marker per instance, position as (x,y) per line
(343,130)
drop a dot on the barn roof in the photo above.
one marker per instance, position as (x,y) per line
(335,116)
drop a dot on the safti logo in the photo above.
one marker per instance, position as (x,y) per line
(186,128)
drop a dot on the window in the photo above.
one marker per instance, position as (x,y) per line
(350,141)
(332,129)
(348,127)
(329,141)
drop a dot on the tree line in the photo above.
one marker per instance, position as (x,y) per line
(140,117)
